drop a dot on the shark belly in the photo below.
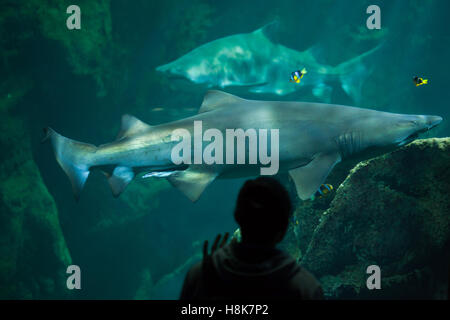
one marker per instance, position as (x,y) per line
(149,151)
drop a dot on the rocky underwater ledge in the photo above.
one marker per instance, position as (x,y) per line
(392,211)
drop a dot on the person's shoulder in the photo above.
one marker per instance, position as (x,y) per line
(195,271)
(191,282)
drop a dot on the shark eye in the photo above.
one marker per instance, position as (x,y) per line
(414,122)
(406,123)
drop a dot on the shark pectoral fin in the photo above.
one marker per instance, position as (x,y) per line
(248,84)
(215,99)
(131,126)
(193,181)
(317,52)
(279,90)
(323,92)
(352,84)
(308,178)
(120,178)
(354,72)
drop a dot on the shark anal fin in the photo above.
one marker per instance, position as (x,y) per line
(192,181)
(120,178)
(309,178)
(215,99)
(131,126)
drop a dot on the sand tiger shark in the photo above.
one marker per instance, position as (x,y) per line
(313,138)
(255,62)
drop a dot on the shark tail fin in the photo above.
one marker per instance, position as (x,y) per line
(354,72)
(73,157)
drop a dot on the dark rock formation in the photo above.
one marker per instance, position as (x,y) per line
(33,252)
(392,211)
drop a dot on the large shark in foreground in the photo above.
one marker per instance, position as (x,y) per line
(313,138)
(254,61)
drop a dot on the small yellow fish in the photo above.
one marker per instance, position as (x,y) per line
(296,76)
(419,81)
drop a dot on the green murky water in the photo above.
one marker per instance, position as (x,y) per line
(80,82)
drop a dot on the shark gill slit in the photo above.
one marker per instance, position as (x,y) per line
(349,143)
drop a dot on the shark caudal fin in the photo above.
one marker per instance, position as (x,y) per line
(74,158)
(354,72)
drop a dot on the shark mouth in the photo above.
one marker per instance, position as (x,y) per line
(415,135)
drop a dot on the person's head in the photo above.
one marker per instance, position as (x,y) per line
(262,211)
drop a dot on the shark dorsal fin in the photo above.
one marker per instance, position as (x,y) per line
(215,99)
(270,30)
(131,126)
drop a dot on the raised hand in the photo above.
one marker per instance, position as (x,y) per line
(216,245)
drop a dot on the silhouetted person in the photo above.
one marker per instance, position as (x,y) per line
(253,267)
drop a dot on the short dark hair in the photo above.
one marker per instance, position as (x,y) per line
(263,209)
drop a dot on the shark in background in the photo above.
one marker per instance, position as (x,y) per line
(255,62)
(313,138)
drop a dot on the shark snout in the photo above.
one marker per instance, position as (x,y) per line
(162,68)
(171,71)
(420,124)
(433,121)
(167,68)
